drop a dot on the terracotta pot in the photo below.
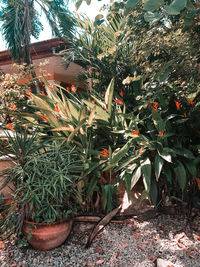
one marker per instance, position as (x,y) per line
(7,190)
(45,236)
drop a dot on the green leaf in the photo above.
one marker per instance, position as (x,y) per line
(108,192)
(146,171)
(152,5)
(181,175)
(184,152)
(78,4)
(191,166)
(175,7)
(128,177)
(120,153)
(109,95)
(131,3)
(158,164)
(136,176)
(166,156)
(152,17)
(92,186)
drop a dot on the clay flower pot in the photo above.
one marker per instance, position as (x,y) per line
(43,236)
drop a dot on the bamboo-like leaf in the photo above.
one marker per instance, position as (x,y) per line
(109,95)
(158,164)
(146,171)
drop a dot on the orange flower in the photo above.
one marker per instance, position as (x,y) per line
(9,126)
(191,102)
(118,101)
(28,93)
(13,106)
(20,150)
(68,89)
(43,93)
(177,104)
(121,93)
(57,108)
(155,106)
(44,118)
(185,115)
(106,109)
(104,153)
(160,133)
(135,132)
(140,152)
(73,88)
(93,101)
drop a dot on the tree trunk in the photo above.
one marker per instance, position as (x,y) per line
(26,42)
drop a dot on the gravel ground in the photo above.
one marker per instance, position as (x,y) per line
(137,244)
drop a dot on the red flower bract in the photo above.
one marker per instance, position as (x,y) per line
(9,126)
(118,101)
(44,118)
(154,106)
(135,132)
(177,104)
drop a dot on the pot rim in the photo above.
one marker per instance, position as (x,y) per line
(46,224)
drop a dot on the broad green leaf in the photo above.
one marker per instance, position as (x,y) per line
(127,178)
(131,3)
(166,156)
(146,171)
(70,137)
(176,7)
(191,166)
(136,176)
(168,174)
(152,5)
(108,192)
(120,153)
(101,113)
(109,95)
(152,17)
(158,164)
(92,186)
(181,175)
(184,152)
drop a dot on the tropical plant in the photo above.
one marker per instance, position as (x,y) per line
(21,21)
(47,190)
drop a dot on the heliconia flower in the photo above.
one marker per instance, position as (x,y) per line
(13,107)
(5,23)
(104,153)
(106,109)
(185,115)
(135,132)
(154,106)
(68,89)
(118,101)
(140,152)
(191,102)
(28,93)
(177,104)
(57,108)
(9,126)
(160,133)
(20,150)
(93,101)
(121,93)
(43,93)
(44,118)
(73,88)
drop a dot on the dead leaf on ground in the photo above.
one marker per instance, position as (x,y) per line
(150,257)
(136,235)
(196,236)
(99,262)
(178,238)
(142,247)
(118,255)
(101,225)
(98,250)
(1,245)
(124,245)
(192,252)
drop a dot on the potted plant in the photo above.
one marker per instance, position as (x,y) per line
(49,196)
(45,194)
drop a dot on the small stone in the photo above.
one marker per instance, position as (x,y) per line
(164,263)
